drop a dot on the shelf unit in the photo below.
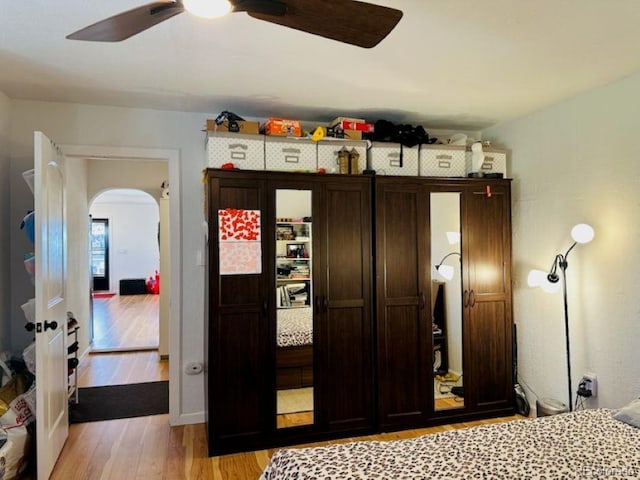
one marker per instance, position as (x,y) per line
(72,392)
(293,264)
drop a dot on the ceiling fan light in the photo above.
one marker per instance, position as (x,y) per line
(207,8)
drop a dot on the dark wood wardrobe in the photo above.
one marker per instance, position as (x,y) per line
(370,294)
(406,231)
(241,339)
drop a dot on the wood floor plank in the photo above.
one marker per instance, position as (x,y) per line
(148,448)
(174,463)
(127,451)
(99,369)
(126,321)
(155,444)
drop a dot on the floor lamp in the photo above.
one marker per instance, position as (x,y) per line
(581,233)
(446,270)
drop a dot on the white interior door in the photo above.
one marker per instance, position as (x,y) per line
(52,426)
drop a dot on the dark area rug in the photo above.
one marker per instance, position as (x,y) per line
(120,401)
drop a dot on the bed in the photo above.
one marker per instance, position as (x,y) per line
(582,444)
(294,353)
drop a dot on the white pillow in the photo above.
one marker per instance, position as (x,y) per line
(629,413)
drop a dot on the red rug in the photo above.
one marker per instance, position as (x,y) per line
(103,294)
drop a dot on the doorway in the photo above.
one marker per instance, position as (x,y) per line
(105,167)
(100,253)
(125,263)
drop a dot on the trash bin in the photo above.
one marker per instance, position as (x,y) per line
(549,406)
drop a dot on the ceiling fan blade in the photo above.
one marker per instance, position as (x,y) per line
(348,21)
(265,7)
(129,23)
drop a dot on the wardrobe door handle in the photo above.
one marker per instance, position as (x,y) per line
(465,299)
(325,304)
(423,301)
(472,298)
(317,303)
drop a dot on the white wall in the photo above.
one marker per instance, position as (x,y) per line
(579,161)
(5,226)
(133,239)
(145,175)
(78,300)
(72,124)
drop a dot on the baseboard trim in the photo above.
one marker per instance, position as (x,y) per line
(187,419)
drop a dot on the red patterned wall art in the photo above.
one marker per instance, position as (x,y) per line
(240,245)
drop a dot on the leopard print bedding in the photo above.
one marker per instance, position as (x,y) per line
(295,327)
(577,445)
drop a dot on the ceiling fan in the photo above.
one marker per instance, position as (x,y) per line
(348,21)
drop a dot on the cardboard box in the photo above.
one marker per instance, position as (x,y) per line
(338,120)
(360,126)
(352,134)
(251,128)
(282,127)
(348,134)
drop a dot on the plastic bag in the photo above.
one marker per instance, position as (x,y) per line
(14,453)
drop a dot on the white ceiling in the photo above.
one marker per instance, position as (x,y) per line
(463,64)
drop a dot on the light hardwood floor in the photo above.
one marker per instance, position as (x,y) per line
(148,448)
(98,369)
(126,322)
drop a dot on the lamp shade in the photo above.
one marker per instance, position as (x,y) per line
(582,233)
(207,8)
(446,271)
(453,238)
(538,278)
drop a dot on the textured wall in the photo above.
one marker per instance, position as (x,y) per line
(579,161)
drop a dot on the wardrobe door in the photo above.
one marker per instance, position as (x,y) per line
(403,320)
(239,386)
(343,304)
(487,293)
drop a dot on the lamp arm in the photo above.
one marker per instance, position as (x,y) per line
(447,256)
(567,254)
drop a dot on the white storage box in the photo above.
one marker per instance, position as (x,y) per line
(289,154)
(495,161)
(244,151)
(442,161)
(393,159)
(328,154)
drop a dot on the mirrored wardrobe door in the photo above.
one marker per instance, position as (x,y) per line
(446,300)
(294,308)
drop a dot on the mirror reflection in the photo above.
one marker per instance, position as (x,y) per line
(446,300)
(294,350)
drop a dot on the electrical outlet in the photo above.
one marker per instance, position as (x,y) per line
(590,383)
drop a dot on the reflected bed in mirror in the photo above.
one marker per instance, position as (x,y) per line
(294,339)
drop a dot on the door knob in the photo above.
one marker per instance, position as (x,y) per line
(52,325)
(30,326)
